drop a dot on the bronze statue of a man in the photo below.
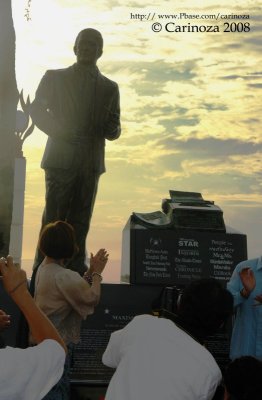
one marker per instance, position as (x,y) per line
(78,108)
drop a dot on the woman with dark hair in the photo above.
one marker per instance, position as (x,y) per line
(62,294)
(243,379)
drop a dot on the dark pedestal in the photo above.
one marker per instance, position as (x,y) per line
(118,305)
(176,257)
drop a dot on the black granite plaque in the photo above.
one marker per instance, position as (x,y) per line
(219,345)
(119,304)
(177,257)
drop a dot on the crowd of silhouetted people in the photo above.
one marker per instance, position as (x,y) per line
(161,357)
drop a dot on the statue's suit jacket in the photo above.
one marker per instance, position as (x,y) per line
(55,111)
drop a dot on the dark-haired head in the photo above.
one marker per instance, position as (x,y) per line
(57,240)
(243,379)
(205,306)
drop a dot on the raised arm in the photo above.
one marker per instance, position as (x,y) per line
(97,266)
(241,284)
(15,283)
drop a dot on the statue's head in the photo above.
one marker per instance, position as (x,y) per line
(88,46)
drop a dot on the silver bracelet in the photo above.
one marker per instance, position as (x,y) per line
(96,273)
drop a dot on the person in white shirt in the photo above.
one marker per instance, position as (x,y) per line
(29,373)
(164,358)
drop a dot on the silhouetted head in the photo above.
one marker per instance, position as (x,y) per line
(205,306)
(88,46)
(57,240)
(243,379)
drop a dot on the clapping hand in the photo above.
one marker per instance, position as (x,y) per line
(97,262)
(248,279)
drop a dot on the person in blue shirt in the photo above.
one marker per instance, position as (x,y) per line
(246,288)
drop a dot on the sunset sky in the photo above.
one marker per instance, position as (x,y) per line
(190,106)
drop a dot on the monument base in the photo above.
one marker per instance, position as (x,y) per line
(176,257)
(119,304)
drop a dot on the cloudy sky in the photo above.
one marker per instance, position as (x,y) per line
(191,107)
